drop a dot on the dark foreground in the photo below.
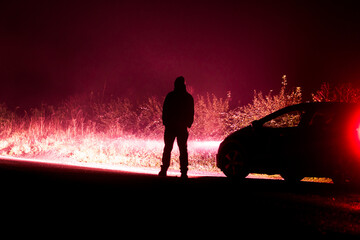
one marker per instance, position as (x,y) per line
(60,200)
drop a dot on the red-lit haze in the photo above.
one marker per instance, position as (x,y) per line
(53,49)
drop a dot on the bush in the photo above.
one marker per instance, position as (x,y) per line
(344,92)
(262,106)
(210,118)
(118,117)
(119,131)
(150,119)
(7,121)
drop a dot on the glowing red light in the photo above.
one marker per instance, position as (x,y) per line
(353,135)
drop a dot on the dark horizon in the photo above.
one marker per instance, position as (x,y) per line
(53,50)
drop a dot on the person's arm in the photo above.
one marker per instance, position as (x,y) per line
(165,111)
(191,112)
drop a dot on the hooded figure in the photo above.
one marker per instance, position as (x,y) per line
(177,116)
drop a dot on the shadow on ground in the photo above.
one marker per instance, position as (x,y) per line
(147,205)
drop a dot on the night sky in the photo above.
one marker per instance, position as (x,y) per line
(50,50)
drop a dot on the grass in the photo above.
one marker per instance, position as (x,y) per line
(93,129)
(97,148)
(115,130)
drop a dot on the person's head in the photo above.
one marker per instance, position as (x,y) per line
(179,84)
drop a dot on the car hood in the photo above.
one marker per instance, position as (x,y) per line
(243,132)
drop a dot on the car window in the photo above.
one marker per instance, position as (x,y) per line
(322,119)
(289,119)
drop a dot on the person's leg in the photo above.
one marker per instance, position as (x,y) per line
(169,138)
(182,138)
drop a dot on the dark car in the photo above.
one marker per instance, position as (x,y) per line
(303,140)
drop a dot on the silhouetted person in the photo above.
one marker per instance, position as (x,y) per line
(177,116)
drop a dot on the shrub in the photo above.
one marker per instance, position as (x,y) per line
(118,117)
(210,116)
(344,92)
(7,121)
(262,106)
(91,128)
(150,119)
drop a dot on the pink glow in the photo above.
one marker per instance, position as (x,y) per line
(123,154)
(143,170)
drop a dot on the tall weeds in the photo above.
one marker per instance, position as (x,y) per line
(118,117)
(262,106)
(344,92)
(117,130)
(211,113)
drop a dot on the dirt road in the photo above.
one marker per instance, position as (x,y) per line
(147,204)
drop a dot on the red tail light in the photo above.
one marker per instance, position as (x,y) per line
(353,134)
